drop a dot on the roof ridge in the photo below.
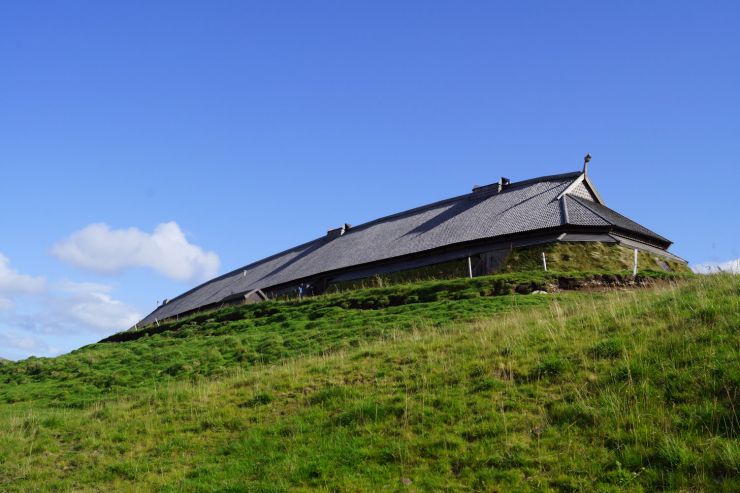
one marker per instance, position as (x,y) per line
(299,249)
(512,185)
(560,176)
(565,219)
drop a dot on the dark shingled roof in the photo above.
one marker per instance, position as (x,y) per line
(521,207)
(615,219)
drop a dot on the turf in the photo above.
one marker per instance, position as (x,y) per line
(587,256)
(560,257)
(435,389)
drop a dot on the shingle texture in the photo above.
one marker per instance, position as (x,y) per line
(617,220)
(582,191)
(521,207)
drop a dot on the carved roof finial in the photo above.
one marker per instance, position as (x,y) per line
(586,160)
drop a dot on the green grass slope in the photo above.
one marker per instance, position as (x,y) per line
(594,256)
(433,387)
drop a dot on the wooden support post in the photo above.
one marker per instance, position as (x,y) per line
(544,261)
(470,268)
(634,267)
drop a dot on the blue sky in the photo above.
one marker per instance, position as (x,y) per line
(145,146)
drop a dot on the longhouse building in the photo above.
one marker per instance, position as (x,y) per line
(476,232)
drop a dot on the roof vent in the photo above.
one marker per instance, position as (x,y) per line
(337,232)
(494,187)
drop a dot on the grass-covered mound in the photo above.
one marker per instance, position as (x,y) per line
(628,390)
(561,257)
(587,256)
(209,343)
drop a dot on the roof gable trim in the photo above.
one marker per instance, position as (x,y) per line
(583,179)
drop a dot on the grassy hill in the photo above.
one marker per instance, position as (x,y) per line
(567,256)
(441,386)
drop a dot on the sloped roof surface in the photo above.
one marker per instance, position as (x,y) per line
(521,207)
(615,219)
(580,215)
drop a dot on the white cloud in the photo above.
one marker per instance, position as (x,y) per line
(731,266)
(91,305)
(37,318)
(26,343)
(70,308)
(12,282)
(17,346)
(75,287)
(101,249)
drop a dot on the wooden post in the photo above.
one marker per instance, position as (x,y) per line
(470,267)
(544,261)
(634,267)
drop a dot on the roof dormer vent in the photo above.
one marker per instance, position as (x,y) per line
(492,188)
(337,232)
